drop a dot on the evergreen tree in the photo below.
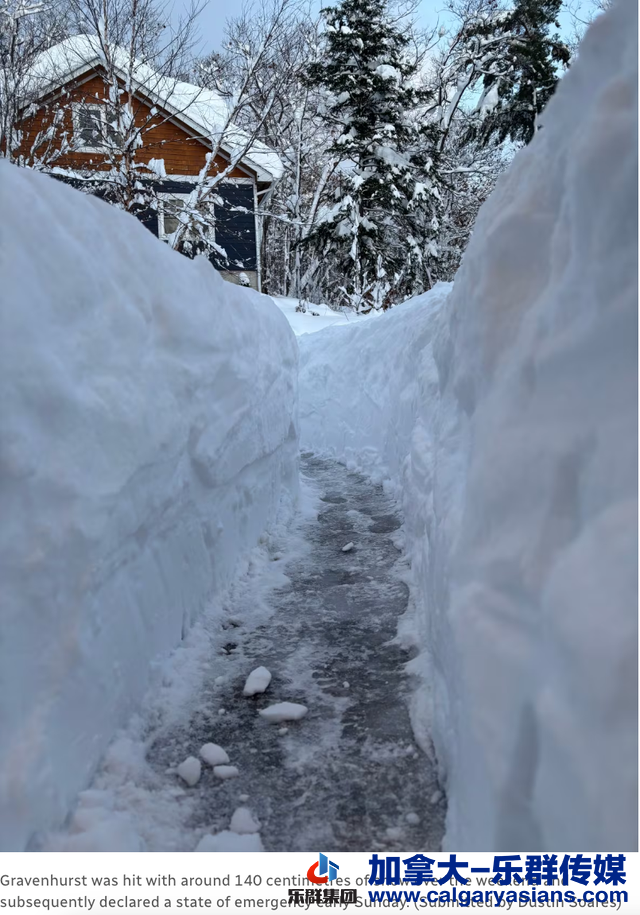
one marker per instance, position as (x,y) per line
(518,58)
(381,226)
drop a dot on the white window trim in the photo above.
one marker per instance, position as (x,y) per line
(172,195)
(101,108)
(161,199)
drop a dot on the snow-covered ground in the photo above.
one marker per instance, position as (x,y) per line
(148,437)
(505,413)
(316,317)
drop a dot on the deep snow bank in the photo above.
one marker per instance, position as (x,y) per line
(508,415)
(148,432)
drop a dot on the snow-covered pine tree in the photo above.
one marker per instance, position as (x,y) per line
(382,223)
(519,58)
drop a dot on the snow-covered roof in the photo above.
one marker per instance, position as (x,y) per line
(202,110)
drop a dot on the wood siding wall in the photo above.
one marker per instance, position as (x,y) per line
(162,138)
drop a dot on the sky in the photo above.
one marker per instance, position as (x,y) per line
(216,12)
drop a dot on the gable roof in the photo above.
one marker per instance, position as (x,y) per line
(203,112)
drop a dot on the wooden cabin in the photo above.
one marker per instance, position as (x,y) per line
(68,125)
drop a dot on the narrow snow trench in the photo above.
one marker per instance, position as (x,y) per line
(348,775)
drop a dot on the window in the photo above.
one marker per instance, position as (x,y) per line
(169,209)
(169,215)
(95,127)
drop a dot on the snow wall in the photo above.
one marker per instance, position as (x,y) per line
(148,432)
(506,414)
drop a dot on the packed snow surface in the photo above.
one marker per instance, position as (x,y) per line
(316,317)
(284,711)
(148,433)
(214,755)
(257,682)
(504,412)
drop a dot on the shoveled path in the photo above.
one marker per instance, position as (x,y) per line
(349,776)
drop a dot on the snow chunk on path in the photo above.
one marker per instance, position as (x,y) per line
(225,771)
(214,755)
(347,547)
(230,841)
(257,682)
(284,711)
(243,822)
(190,771)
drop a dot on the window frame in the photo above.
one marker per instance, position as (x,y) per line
(164,197)
(101,108)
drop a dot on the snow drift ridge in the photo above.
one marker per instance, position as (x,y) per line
(147,434)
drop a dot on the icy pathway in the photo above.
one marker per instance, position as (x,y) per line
(346,777)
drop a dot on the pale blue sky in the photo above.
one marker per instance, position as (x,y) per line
(212,19)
